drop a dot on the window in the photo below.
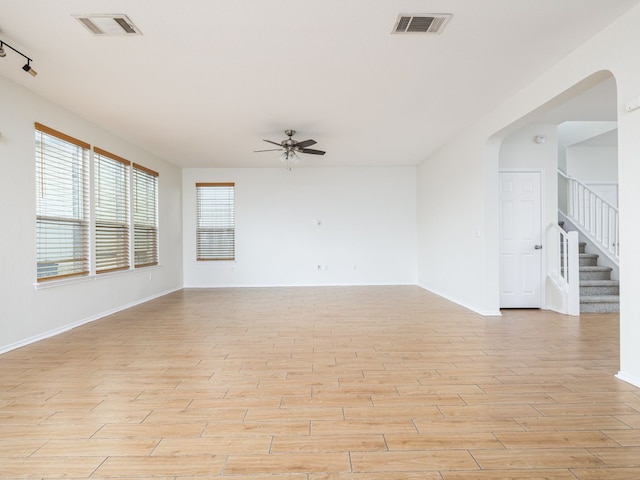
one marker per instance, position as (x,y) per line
(124,199)
(62,213)
(111,185)
(145,216)
(215,231)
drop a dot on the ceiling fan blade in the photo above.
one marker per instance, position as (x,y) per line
(269,141)
(268,150)
(312,151)
(306,143)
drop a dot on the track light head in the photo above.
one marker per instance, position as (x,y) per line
(27,68)
(2,51)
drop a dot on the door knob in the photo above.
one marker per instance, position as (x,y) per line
(538,247)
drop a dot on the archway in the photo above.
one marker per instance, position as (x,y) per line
(589,104)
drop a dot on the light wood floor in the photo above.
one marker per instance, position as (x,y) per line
(364,383)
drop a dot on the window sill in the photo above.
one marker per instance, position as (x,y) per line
(90,278)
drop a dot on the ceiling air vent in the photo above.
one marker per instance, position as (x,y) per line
(108,24)
(421,23)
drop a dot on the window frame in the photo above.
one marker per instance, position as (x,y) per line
(145,217)
(111,240)
(69,182)
(215,221)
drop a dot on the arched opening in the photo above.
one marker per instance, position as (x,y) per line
(570,145)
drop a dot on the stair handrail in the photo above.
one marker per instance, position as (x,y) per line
(565,268)
(596,217)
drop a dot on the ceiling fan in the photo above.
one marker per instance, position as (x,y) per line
(291,147)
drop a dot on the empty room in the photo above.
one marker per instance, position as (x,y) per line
(319,240)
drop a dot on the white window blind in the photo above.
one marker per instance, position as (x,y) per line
(215,230)
(145,216)
(62,226)
(111,186)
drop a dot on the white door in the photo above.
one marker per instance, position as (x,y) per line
(520,240)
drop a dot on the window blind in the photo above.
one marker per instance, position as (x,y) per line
(111,186)
(215,230)
(62,227)
(145,216)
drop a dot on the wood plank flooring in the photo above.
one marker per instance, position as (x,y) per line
(344,383)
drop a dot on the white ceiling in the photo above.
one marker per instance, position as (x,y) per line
(209,79)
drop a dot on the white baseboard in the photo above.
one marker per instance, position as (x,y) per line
(484,313)
(84,321)
(293,285)
(635,381)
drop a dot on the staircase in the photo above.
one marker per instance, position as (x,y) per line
(598,221)
(598,293)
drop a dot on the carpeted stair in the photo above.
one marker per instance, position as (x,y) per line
(598,293)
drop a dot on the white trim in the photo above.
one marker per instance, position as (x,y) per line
(484,313)
(635,381)
(304,285)
(70,326)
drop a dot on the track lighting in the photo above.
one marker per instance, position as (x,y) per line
(27,66)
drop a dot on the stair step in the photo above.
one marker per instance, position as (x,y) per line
(595,273)
(599,304)
(588,291)
(581,247)
(588,259)
(599,287)
(599,283)
(600,299)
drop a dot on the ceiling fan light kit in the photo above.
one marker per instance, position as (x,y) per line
(291,148)
(289,158)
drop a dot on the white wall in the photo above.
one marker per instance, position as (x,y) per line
(451,229)
(591,164)
(468,165)
(27,313)
(573,132)
(367,233)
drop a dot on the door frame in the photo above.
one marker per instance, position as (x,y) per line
(543,236)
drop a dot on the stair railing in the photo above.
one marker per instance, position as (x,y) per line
(565,270)
(597,218)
